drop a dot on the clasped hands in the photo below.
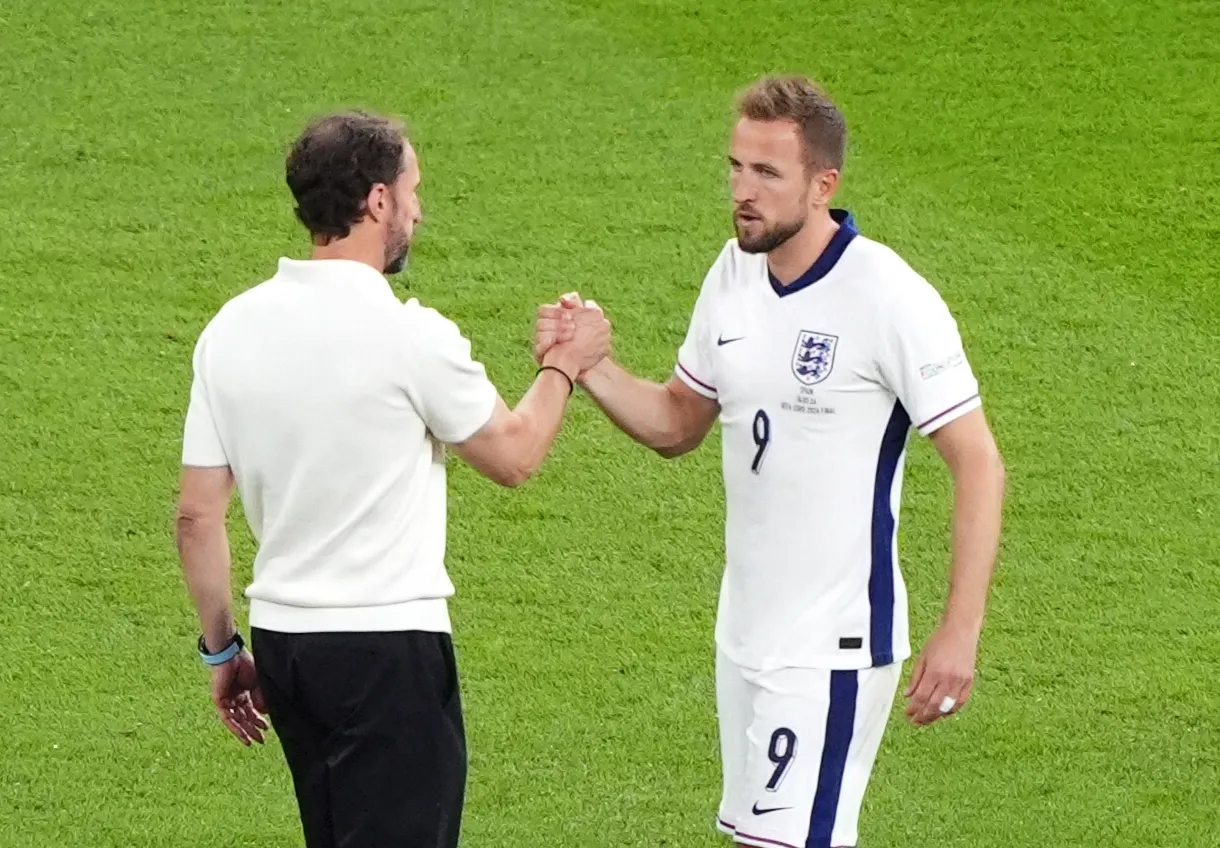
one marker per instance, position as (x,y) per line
(572,335)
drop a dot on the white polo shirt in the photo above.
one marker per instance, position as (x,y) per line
(330,399)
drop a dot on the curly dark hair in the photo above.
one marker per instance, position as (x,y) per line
(335,163)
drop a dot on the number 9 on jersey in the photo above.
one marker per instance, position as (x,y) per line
(762,438)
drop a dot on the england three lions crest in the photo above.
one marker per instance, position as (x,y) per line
(814,356)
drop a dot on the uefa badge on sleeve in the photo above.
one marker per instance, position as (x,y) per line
(814,356)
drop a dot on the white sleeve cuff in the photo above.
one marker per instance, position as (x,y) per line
(698,386)
(475,422)
(952,413)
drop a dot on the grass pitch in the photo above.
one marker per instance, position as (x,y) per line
(1051,168)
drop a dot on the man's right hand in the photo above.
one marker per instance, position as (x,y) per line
(511,446)
(572,335)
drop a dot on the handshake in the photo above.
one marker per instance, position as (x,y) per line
(572,335)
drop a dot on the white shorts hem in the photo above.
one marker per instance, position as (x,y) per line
(761,841)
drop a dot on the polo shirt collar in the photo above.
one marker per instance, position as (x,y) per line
(333,270)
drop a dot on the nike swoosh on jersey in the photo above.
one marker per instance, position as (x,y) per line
(756,811)
(722,341)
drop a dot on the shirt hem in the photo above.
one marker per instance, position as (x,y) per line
(427,614)
(858,661)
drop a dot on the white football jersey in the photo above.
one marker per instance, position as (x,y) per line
(819,384)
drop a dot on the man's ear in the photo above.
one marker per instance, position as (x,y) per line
(824,185)
(377,203)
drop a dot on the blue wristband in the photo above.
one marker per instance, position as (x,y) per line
(225,654)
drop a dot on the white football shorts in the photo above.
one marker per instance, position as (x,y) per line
(797,746)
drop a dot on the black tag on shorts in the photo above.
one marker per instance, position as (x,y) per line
(854,643)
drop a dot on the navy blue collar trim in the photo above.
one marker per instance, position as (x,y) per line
(827,261)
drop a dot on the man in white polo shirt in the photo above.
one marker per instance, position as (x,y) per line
(327,403)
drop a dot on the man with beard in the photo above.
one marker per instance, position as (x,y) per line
(816,348)
(327,402)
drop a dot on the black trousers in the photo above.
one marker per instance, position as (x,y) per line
(371,726)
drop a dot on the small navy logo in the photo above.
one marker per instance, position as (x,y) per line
(814,356)
(722,341)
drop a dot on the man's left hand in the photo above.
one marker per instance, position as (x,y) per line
(238,700)
(943,675)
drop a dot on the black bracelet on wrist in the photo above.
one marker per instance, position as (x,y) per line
(571,383)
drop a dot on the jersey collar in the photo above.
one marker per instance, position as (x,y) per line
(331,270)
(828,259)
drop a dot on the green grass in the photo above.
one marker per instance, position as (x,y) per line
(1051,168)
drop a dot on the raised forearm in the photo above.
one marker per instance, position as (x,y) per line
(541,411)
(511,447)
(644,410)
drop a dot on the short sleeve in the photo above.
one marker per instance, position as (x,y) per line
(451,390)
(925,363)
(695,363)
(201,443)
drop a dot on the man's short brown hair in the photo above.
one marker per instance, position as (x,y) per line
(798,99)
(335,163)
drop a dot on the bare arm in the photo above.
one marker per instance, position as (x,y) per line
(511,446)
(970,451)
(669,417)
(943,675)
(203,548)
